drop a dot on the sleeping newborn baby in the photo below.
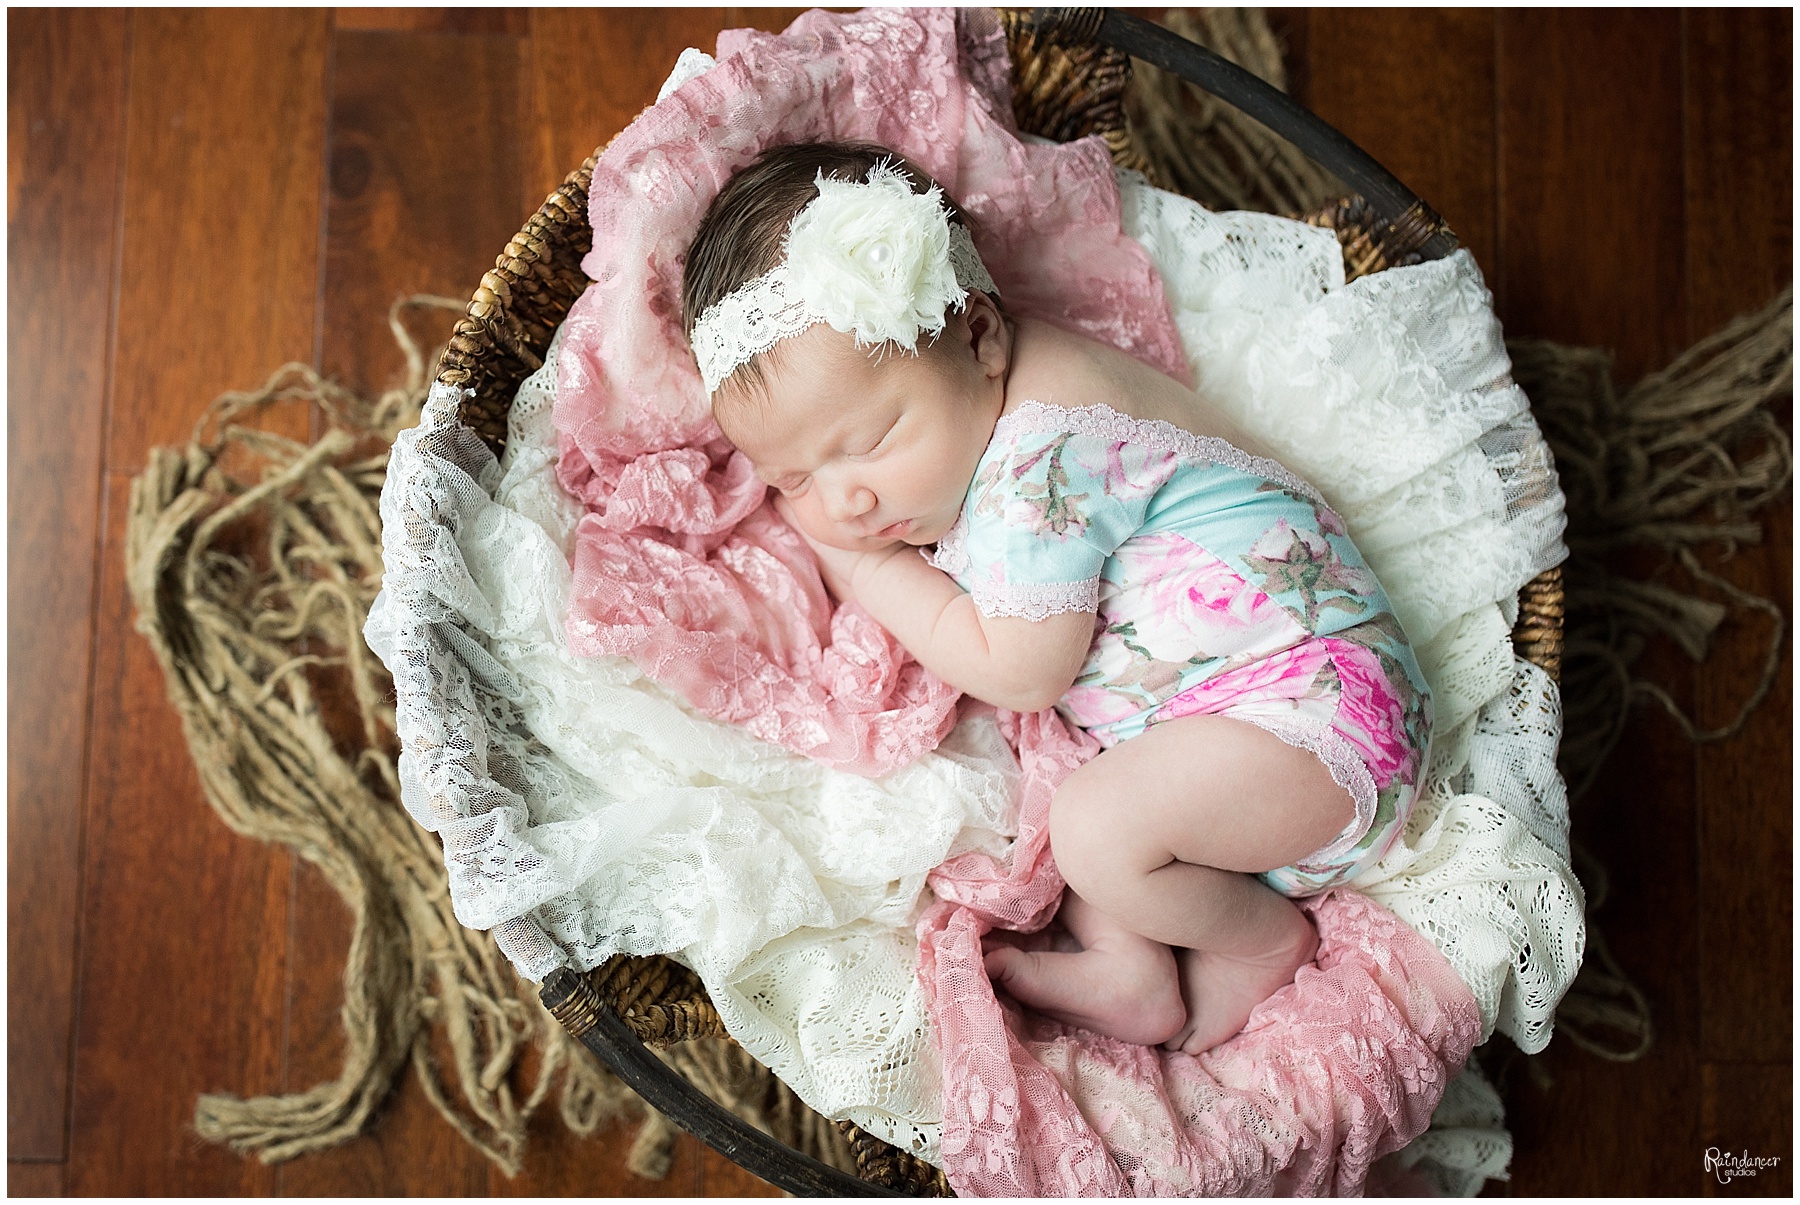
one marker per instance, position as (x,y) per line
(1042,520)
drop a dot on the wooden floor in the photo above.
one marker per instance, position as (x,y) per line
(195,197)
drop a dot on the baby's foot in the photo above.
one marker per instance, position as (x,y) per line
(1126,988)
(1221,991)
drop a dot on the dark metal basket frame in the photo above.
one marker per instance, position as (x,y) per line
(1071,67)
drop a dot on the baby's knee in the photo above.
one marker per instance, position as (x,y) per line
(1089,836)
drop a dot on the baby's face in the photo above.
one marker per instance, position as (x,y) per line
(868,452)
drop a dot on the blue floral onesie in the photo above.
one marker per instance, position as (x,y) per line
(1222,585)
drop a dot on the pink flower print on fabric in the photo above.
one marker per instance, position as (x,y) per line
(1185,602)
(1302,562)
(1370,714)
(1289,676)
(1044,502)
(1094,704)
(1324,516)
(1133,470)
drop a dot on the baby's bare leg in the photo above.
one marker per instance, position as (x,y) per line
(1117,983)
(1221,988)
(1162,835)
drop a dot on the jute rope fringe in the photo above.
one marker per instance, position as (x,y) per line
(253,559)
(1686,458)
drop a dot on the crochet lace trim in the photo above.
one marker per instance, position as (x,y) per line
(1036,600)
(746,324)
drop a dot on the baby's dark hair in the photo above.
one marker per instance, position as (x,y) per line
(744,230)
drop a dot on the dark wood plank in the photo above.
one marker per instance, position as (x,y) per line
(224,164)
(1745,967)
(514,21)
(579,104)
(1740,163)
(1747,1112)
(183,955)
(1739,139)
(66,133)
(34,1179)
(1590,173)
(769,20)
(1590,242)
(425,181)
(426,184)
(1431,120)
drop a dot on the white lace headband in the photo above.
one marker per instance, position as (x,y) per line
(873,259)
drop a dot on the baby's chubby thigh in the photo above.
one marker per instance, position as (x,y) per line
(1202,789)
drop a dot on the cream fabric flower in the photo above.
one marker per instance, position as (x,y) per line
(873,259)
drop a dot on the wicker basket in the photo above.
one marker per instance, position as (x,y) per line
(1069,81)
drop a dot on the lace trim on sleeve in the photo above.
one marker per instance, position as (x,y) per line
(951,554)
(1036,600)
(1106,423)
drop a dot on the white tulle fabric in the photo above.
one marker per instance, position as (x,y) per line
(585,811)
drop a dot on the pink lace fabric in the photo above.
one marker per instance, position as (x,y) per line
(1331,1073)
(678,562)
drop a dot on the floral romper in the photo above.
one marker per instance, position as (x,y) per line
(1223,585)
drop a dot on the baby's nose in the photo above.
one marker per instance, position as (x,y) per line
(849,501)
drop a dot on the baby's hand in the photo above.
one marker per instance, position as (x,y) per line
(838,566)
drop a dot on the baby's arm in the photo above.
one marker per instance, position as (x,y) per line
(1018,664)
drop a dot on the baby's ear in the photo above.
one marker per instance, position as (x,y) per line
(989,337)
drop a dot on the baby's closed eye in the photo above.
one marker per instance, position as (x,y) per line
(787,484)
(876,445)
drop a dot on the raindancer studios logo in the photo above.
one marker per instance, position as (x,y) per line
(1728,1167)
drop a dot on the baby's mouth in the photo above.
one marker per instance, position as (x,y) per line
(894,531)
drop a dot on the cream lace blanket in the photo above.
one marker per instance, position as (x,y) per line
(586,812)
